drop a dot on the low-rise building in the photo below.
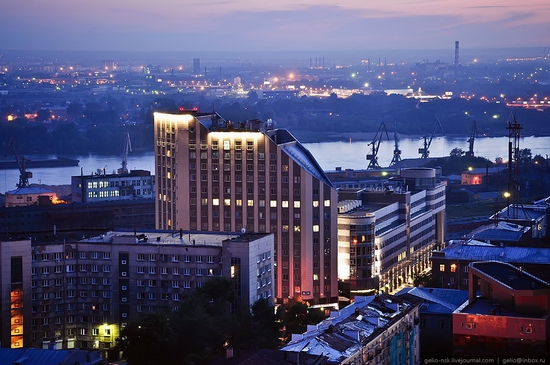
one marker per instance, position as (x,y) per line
(450,265)
(375,329)
(507,313)
(36,195)
(436,318)
(137,184)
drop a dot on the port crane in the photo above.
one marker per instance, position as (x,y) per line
(396,151)
(425,149)
(127,149)
(473,136)
(24,175)
(373,156)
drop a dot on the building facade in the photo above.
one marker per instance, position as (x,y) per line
(372,330)
(506,313)
(137,184)
(213,175)
(80,294)
(386,235)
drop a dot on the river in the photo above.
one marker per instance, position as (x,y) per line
(330,155)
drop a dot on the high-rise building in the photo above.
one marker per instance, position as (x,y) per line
(213,175)
(196,66)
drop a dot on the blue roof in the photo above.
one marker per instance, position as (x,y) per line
(472,251)
(30,190)
(34,356)
(437,300)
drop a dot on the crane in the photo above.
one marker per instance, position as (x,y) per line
(425,150)
(24,175)
(396,151)
(372,157)
(127,149)
(471,140)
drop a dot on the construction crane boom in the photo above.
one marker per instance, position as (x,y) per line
(425,149)
(471,140)
(24,175)
(375,145)
(127,149)
(396,151)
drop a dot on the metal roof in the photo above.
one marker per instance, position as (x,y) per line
(437,300)
(475,252)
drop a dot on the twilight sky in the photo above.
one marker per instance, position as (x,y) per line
(260,25)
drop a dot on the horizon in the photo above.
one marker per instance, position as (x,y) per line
(348,57)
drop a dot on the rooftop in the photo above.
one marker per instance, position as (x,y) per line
(499,232)
(473,250)
(190,238)
(346,331)
(511,276)
(437,300)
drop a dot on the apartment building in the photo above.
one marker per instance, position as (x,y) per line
(80,294)
(380,329)
(220,176)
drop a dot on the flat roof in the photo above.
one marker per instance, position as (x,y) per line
(510,275)
(192,238)
(485,306)
(479,251)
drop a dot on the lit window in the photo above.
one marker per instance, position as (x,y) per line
(226,145)
(327,203)
(250,203)
(442,267)
(227,202)
(453,268)
(315,228)
(284,203)
(315,203)
(239,202)
(216,201)
(273,203)
(296,204)
(296,228)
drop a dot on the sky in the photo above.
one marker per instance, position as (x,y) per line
(263,25)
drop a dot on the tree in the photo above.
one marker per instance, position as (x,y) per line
(148,340)
(539,160)
(296,315)
(456,152)
(524,156)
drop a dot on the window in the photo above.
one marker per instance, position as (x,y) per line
(453,267)
(327,203)
(442,267)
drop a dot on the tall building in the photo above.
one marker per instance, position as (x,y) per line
(213,175)
(196,66)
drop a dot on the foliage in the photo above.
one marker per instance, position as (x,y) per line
(209,319)
(296,315)
(456,164)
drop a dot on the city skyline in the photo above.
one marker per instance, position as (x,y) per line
(244,25)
